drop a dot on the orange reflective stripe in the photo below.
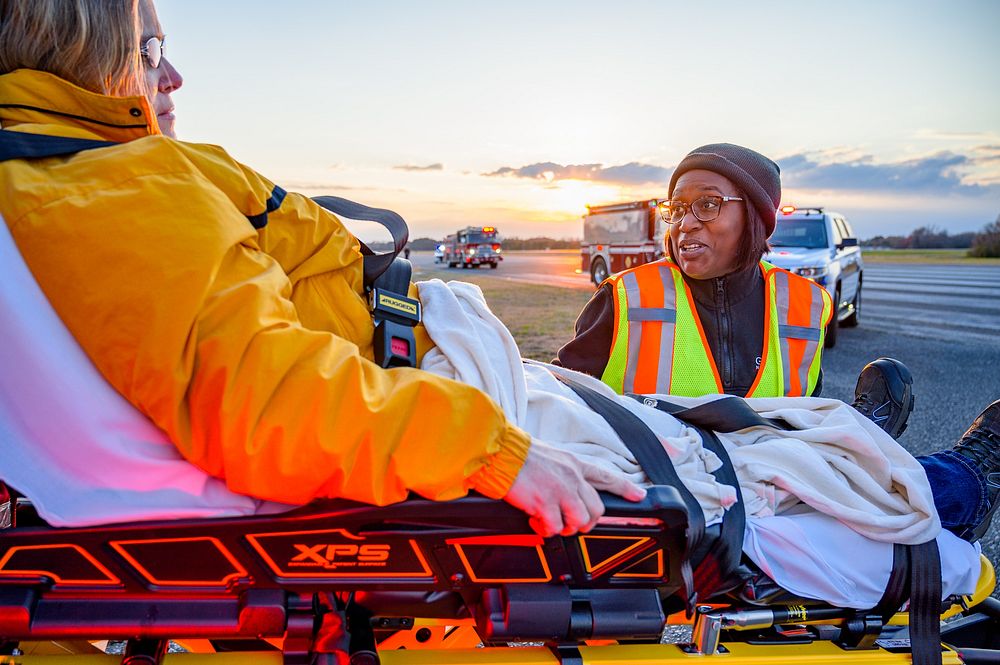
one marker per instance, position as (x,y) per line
(648,361)
(768,308)
(799,309)
(668,334)
(633,333)
(800,306)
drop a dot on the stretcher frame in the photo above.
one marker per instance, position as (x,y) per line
(417,582)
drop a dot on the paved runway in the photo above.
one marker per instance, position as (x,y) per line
(937,301)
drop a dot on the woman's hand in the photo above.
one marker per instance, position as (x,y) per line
(559,491)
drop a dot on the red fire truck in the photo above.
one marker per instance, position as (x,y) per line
(619,236)
(472,247)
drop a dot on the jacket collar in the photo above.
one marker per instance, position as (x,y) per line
(31,97)
(737,285)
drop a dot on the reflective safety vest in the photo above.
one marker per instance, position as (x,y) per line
(659,345)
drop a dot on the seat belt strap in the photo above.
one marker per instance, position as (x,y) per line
(897,589)
(727,414)
(374,264)
(655,462)
(726,551)
(387,282)
(925,603)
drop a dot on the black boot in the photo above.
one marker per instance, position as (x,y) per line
(884,394)
(981,444)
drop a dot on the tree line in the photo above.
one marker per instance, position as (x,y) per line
(982,243)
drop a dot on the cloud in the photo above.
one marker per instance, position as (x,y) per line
(633,173)
(940,173)
(841,168)
(411,167)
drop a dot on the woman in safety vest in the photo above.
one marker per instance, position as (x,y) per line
(230,313)
(713,317)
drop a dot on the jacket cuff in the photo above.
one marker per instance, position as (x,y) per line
(496,476)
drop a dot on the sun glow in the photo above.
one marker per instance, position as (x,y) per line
(571,197)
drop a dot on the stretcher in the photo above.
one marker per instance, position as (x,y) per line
(416,583)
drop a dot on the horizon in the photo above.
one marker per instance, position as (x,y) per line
(456,114)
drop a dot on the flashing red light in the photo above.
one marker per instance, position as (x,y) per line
(787,210)
(496,246)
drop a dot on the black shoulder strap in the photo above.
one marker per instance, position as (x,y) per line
(925,603)
(387,281)
(374,264)
(897,589)
(22,145)
(724,553)
(649,453)
(727,414)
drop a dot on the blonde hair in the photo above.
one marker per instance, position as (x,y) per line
(91,43)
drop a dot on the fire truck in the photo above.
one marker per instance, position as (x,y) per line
(472,247)
(619,236)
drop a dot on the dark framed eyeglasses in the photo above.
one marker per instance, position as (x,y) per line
(152,51)
(704,209)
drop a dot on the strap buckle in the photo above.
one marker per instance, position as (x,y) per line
(394,307)
(395,316)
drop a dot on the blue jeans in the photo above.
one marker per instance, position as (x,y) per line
(959,488)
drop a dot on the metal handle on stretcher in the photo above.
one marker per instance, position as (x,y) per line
(661,502)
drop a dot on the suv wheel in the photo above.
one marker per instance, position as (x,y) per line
(598,271)
(855,317)
(830,340)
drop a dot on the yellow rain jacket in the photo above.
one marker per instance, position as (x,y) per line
(231,317)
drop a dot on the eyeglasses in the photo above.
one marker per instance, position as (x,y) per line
(152,51)
(704,209)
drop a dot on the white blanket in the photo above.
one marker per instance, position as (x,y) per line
(841,487)
(838,463)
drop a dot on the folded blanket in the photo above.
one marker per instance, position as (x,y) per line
(838,463)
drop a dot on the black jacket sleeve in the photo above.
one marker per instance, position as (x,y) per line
(590,348)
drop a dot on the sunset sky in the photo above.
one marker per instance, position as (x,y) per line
(518,114)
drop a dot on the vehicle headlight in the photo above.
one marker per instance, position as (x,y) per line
(471,252)
(814,271)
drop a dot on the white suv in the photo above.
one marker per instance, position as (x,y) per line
(821,245)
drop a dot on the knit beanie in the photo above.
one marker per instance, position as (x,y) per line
(757,176)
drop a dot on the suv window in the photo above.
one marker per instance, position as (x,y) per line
(845,228)
(798,232)
(838,233)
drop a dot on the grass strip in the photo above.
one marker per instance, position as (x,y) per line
(540,317)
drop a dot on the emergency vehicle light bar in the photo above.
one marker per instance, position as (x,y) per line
(809,210)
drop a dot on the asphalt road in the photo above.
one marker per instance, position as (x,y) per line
(942,321)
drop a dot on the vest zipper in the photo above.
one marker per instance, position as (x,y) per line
(725,350)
